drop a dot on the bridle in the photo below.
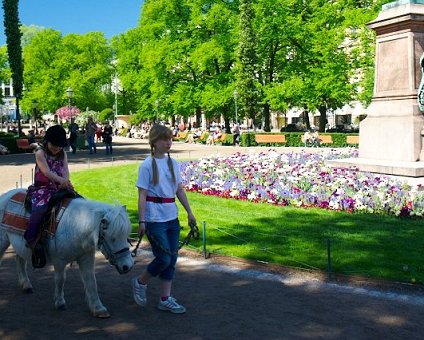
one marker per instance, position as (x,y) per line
(104,246)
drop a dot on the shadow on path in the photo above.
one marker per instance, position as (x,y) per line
(220,305)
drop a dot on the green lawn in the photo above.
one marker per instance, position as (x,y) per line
(361,244)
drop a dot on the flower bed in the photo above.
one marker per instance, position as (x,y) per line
(302,180)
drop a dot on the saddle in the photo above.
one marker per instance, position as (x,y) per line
(17,214)
(56,207)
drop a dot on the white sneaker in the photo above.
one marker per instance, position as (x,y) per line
(139,292)
(171,305)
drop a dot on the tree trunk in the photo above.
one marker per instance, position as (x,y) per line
(267,125)
(226,111)
(18,117)
(198,117)
(306,119)
(124,102)
(323,118)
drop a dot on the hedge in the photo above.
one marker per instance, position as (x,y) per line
(295,139)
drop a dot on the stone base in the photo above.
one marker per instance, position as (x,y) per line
(396,168)
(392,137)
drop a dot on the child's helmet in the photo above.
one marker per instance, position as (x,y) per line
(56,135)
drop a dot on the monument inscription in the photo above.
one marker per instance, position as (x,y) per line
(392,69)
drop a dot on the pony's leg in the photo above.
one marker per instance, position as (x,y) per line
(17,243)
(24,282)
(86,266)
(4,243)
(59,283)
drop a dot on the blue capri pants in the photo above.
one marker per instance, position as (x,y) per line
(163,237)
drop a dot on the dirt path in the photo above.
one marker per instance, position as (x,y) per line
(223,302)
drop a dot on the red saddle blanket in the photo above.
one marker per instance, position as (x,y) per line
(16,217)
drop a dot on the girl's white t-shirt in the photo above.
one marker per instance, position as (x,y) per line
(159,212)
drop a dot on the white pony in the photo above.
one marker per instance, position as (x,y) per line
(84,227)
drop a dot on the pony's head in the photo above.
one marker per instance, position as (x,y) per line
(113,239)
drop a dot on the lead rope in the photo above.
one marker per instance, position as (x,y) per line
(193,233)
(134,252)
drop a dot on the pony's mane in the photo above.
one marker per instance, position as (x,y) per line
(119,222)
(118,218)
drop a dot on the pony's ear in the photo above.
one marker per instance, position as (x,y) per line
(110,215)
(124,207)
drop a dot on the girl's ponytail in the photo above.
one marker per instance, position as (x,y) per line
(171,168)
(154,167)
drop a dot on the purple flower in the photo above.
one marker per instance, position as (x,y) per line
(301,179)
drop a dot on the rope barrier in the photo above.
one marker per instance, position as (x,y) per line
(265,249)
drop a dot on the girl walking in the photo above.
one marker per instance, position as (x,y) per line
(159,181)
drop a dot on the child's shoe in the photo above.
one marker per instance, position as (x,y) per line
(171,305)
(139,292)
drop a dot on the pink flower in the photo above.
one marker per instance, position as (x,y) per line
(65,113)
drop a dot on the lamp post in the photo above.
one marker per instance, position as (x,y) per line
(34,114)
(7,111)
(115,106)
(157,110)
(69,93)
(235,95)
(1,114)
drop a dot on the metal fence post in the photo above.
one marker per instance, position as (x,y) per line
(204,239)
(329,257)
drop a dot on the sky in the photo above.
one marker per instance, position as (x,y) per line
(111,17)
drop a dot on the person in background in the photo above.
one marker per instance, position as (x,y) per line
(236,134)
(31,137)
(91,129)
(217,135)
(107,137)
(99,133)
(159,181)
(315,138)
(307,138)
(73,135)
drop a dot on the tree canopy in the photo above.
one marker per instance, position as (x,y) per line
(187,57)
(53,63)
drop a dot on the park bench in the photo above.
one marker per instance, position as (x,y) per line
(325,139)
(23,144)
(202,138)
(267,139)
(180,136)
(221,139)
(352,139)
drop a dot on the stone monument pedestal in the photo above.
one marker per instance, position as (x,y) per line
(390,139)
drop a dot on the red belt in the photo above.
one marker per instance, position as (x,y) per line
(160,199)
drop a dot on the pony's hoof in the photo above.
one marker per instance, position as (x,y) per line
(102,314)
(61,307)
(27,290)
